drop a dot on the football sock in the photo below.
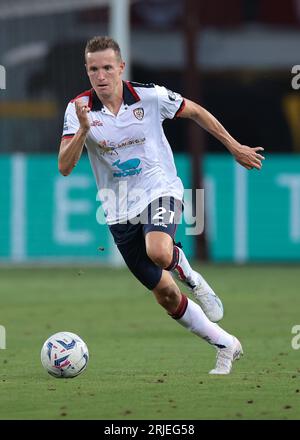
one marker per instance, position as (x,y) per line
(181,268)
(191,316)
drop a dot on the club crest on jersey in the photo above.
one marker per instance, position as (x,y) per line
(138,113)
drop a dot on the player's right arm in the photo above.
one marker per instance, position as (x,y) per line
(70,150)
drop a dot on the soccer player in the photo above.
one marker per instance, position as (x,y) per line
(120,123)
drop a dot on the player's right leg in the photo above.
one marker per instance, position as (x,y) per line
(191,316)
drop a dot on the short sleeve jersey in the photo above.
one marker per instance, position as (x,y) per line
(130,156)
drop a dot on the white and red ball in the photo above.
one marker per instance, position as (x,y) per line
(64,355)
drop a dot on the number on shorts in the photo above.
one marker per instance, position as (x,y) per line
(160,214)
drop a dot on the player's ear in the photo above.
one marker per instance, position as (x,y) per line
(122,66)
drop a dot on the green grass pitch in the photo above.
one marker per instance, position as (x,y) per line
(143,365)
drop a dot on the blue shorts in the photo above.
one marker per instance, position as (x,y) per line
(163,215)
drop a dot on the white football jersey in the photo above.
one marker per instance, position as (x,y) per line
(130,156)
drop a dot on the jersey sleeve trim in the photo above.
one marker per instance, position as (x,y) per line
(67,136)
(89,94)
(181,108)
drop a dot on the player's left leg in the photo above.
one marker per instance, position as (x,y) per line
(202,291)
(162,251)
(190,315)
(161,219)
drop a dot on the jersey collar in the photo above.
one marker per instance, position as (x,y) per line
(129,94)
(129,97)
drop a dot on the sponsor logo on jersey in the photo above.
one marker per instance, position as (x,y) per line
(66,127)
(172,95)
(110,147)
(127,168)
(105,148)
(138,113)
(96,123)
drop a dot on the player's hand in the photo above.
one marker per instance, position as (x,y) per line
(249,157)
(82,111)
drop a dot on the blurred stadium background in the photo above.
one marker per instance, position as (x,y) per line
(239,59)
(234,57)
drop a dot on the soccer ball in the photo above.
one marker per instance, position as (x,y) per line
(64,355)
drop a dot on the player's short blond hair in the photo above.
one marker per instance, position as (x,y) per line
(100,43)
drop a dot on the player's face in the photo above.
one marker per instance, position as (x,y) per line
(104,69)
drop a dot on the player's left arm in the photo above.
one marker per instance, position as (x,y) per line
(246,156)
